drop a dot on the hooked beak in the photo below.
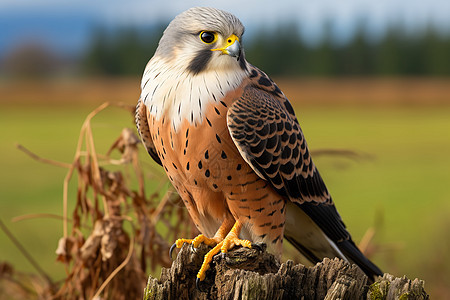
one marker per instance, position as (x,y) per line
(232,47)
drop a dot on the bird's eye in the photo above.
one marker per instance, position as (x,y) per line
(208,37)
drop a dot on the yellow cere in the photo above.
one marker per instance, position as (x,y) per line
(230,41)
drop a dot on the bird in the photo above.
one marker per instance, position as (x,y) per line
(232,147)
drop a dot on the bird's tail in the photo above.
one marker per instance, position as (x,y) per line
(355,256)
(313,232)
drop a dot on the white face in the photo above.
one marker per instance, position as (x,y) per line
(198,60)
(196,40)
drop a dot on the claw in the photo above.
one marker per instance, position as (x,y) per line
(201,287)
(222,255)
(171,250)
(197,284)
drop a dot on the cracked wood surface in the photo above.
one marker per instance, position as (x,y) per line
(251,274)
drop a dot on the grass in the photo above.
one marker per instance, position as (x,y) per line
(399,184)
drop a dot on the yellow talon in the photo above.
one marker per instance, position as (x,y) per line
(203,239)
(207,260)
(220,242)
(180,242)
(234,241)
(231,240)
(196,241)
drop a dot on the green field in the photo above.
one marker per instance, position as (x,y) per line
(399,182)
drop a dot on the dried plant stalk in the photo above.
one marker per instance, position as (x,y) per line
(104,260)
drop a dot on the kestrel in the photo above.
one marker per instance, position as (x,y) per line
(232,147)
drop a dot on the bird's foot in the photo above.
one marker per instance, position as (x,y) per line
(195,242)
(230,241)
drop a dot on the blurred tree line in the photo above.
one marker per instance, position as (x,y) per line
(283,51)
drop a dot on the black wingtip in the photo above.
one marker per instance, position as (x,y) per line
(351,252)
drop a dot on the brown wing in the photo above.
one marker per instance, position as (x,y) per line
(266,132)
(268,136)
(144,131)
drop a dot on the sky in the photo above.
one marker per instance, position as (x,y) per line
(67,24)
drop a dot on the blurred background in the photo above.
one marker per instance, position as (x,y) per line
(369,78)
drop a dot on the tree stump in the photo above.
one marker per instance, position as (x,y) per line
(255,274)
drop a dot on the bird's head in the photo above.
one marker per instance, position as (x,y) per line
(202,39)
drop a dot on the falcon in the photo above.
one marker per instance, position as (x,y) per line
(231,145)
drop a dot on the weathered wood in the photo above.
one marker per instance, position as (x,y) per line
(390,287)
(252,274)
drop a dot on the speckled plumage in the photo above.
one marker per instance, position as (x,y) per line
(232,147)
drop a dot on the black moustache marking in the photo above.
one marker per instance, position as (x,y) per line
(200,61)
(241,59)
